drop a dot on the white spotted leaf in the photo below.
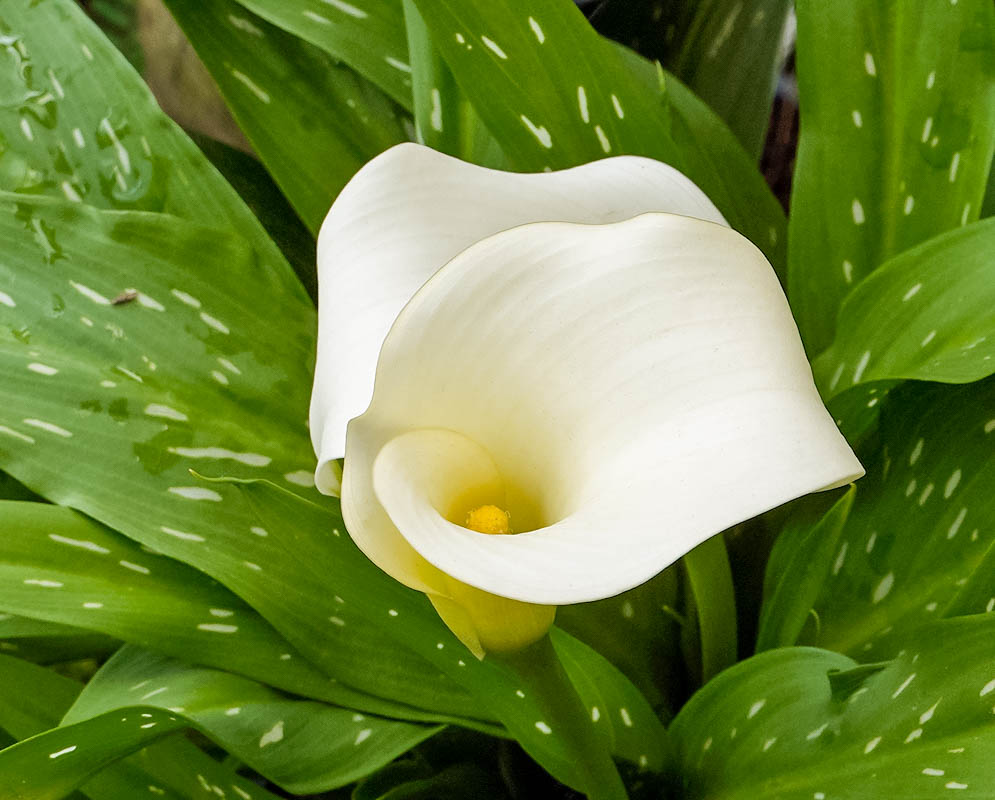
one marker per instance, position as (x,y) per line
(85,127)
(368,35)
(312,121)
(303,746)
(925,314)
(797,575)
(919,726)
(517,63)
(522,701)
(444,119)
(919,530)
(34,699)
(897,130)
(50,765)
(61,569)
(124,401)
(731,56)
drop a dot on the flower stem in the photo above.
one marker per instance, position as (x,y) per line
(710,578)
(539,668)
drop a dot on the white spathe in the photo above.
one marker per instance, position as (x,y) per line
(625,390)
(409,211)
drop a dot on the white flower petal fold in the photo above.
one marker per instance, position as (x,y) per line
(407,213)
(623,390)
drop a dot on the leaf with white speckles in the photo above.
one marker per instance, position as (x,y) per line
(920,527)
(773,726)
(57,565)
(897,131)
(803,561)
(444,119)
(33,700)
(49,765)
(924,315)
(637,631)
(89,129)
(301,745)
(517,64)
(366,597)
(368,35)
(731,57)
(137,391)
(312,121)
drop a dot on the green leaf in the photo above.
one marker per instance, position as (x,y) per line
(731,57)
(302,746)
(919,527)
(444,120)
(33,700)
(50,765)
(622,713)
(58,566)
(555,94)
(637,631)
(77,122)
(261,194)
(920,727)
(118,20)
(796,574)
(44,642)
(367,598)
(368,35)
(140,396)
(519,64)
(717,162)
(713,599)
(925,314)
(896,139)
(313,123)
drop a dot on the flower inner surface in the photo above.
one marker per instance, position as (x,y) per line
(489,519)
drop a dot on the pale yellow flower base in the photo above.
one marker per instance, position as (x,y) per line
(484,621)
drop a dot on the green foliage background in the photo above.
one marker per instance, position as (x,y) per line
(141,601)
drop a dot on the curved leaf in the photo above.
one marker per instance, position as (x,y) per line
(302,746)
(919,527)
(896,139)
(313,122)
(924,315)
(33,699)
(78,123)
(799,723)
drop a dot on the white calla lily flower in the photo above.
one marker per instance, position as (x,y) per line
(590,358)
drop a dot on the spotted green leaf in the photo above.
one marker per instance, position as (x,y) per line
(925,314)
(897,131)
(368,35)
(301,745)
(514,693)
(797,574)
(33,699)
(637,631)
(517,63)
(314,123)
(108,408)
(78,123)
(800,723)
(731,55)
(919,529)
(444,119)
(57,565)
(50,765)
